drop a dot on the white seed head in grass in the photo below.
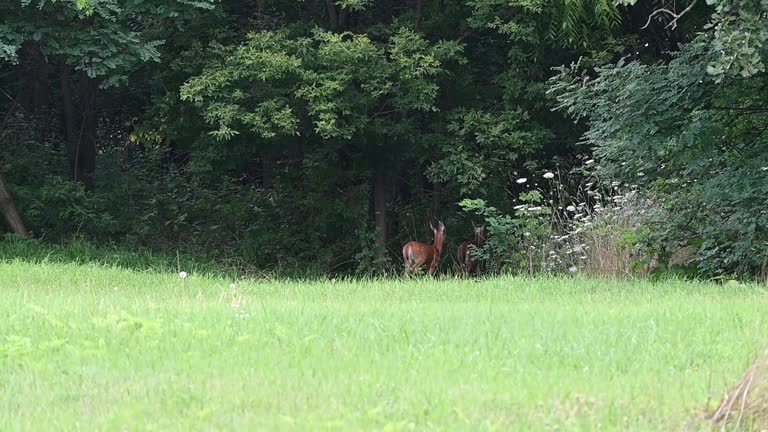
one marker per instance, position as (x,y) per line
(548,175)
(521,180)
(183,275)
(573,269)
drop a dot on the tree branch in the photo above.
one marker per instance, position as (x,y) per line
(465,35)
(676,16)
(755,109)
(656,12)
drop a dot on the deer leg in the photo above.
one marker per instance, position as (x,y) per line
(413,265)
(466,265)
(432,266)
(408,261)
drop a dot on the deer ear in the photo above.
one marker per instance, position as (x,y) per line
(431,226)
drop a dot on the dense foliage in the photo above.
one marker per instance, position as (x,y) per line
(691,132)
(324,135)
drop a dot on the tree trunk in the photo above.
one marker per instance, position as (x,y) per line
(332,16)
(267,172)
(380,212)
(342,20)
(419,7)
(436,198)
(85,150)
(70,123)
(32,75)
(8,209)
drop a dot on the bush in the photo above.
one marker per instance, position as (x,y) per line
(695,142)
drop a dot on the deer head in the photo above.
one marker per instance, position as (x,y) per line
(480,234)
(439,233)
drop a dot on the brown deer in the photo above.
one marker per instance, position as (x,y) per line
(464,253)
(417,255)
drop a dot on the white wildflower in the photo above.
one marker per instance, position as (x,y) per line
(183,275)
(233,286)
(549,175)
(589,162)
(571,208)
(521,180)
(573,269)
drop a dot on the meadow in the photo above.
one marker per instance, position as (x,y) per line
(94,347)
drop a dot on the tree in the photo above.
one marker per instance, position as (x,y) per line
(342,92)
(98,43)
(690,131)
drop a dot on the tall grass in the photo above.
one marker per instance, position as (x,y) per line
(79,251)
(95,347)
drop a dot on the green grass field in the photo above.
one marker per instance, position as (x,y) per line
(97,348)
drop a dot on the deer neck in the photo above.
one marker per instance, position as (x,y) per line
(438,243)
